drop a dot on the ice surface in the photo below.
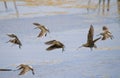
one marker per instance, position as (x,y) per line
(71,29)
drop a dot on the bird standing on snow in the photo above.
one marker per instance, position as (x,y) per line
(15,40)
(54,45)
(90,42)
(25,68)
(43,29)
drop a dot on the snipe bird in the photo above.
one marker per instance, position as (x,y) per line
(90,42)
(44,30)
(25,68)
(15,40)
(54,44)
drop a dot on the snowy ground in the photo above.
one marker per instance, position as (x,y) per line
(71,29)
(70,7)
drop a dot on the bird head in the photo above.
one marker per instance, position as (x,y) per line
(105,28)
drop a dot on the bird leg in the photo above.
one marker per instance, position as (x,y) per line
(20,46)
(62,50)
(111,36)
(91,48)
(95,46)
(32,71)
(46,34)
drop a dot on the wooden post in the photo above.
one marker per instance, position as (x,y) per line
(17,13)
(108,5)
(103,9)
(118,5)
(5,4)
(88,5)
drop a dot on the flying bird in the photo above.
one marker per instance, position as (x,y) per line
(54,44)
(15,40)
(90,42)
(44,30)
(25,68)
(106,33)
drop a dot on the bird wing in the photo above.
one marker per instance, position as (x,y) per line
(24,70)
(90,35)
(36,24)
(12,35)
(50,42)
(103,38)
(43,31)
(54,46)
(96,39)
(46,29)
(19,42)
(41,34)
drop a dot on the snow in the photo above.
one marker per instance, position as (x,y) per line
(70,29)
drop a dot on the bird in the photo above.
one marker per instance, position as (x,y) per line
(25,68)
(15,40)
(90,42)
(44,30)
(106,33)
(54,44)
